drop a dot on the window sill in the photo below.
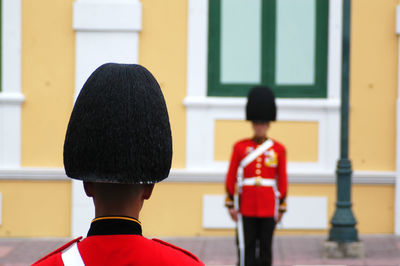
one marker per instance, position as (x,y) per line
(11,98)
(240,102)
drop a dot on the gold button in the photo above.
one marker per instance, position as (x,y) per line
(258,171)
(259,159)
(258,165)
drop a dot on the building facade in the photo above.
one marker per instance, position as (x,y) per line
(205,54)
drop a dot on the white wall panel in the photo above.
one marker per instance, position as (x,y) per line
(303,213)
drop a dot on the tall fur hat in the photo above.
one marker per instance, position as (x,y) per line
(261,105)
(119,129)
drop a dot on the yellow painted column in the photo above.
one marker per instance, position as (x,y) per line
(48,65)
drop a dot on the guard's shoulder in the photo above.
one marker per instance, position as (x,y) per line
(57,251)
(278,145)
(184,252)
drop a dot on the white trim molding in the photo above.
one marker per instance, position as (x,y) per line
(205,176)
(106,31)
(40,174)
(203,111)
(297,177)
(301,214)
(397,190)
(11,98)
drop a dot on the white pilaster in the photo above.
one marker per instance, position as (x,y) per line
(106,31)
(11,97)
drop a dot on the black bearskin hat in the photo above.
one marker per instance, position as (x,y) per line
(261,105)
(119,129)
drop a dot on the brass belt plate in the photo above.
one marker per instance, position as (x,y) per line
(258,181)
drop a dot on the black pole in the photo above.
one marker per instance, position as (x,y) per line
(343,221)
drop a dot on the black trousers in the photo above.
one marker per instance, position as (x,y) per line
(257,238)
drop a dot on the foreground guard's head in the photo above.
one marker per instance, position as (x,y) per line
(119,129)
(261,105)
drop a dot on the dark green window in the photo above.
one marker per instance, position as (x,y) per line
(278,43)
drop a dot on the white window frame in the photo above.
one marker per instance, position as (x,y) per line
(203,111)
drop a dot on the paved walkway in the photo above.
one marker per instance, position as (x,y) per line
(380,250)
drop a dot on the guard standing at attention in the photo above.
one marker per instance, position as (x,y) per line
(256,182)
(118,142)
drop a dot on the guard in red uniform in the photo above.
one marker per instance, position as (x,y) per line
(118,142)
(256,182)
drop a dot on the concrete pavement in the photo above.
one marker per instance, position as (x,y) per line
(380,250)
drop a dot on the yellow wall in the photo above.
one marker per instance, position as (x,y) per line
(373,205)
(162,49)
(373,84)
(301,146)
(35,208)
(48,52)
(175,209)
(374,208)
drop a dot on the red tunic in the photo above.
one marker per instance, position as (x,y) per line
(258,201)
(124,250)
(117,240)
